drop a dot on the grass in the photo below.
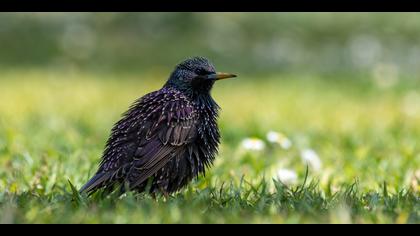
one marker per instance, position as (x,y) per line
(53,127)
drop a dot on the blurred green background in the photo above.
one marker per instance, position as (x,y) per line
(245,42)
(340,90)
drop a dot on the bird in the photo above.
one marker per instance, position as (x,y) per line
(166,138)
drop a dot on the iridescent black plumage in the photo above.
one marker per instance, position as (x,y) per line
(169,136)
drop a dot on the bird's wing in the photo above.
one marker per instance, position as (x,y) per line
(165,143)
(156,128)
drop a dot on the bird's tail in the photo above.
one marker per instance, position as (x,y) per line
(95,182)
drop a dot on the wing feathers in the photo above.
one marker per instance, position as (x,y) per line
(154,130)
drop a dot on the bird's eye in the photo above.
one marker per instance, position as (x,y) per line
(202,71)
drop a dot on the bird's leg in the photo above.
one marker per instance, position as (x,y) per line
(164,192)
(153,194)
(166,195)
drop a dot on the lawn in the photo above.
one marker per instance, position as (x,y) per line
(352,141)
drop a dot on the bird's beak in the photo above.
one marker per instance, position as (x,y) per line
(220,76)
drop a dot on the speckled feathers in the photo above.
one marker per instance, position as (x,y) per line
(169,137)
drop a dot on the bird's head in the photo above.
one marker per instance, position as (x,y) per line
(195,75)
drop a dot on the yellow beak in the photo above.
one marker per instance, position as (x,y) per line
(220,76)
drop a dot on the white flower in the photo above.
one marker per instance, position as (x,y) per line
(287,177)
(286,144)
(273,136)
(311,158)
(253,144)
(279,138)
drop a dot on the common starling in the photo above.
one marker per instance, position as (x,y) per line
(166,138)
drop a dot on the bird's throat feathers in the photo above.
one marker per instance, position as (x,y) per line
(192,90)
(202,99)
